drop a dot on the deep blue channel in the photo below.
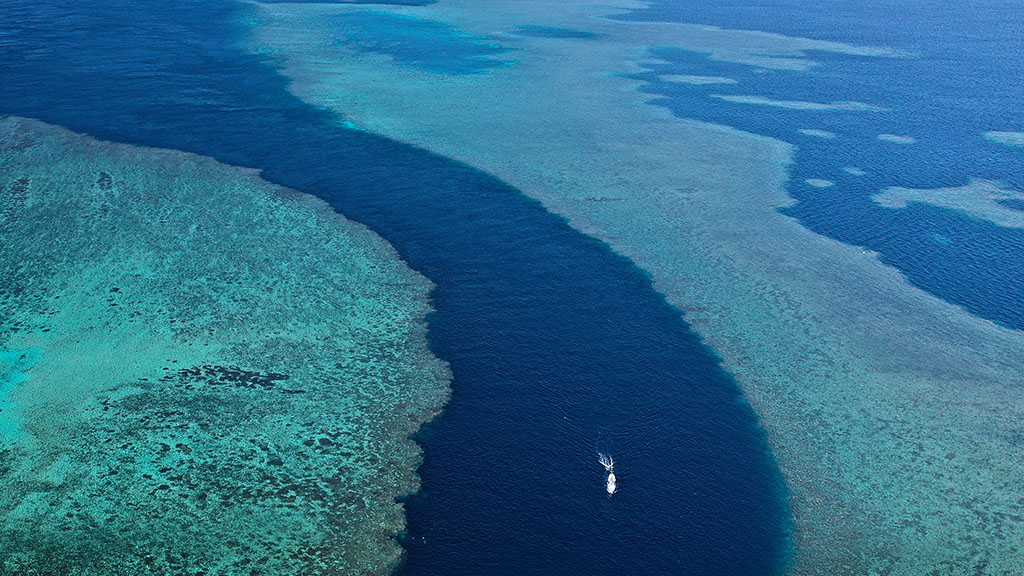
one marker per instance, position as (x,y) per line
(559,347)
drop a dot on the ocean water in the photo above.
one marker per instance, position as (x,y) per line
(960,78)
(551,32)
(1013,203)
(559,348)
(891,411)
(420,44)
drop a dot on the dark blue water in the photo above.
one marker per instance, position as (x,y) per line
(1014,203)
(389,2)
(551,32)
(965,77)
(558,346)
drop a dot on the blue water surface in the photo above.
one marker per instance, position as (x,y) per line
(558,346)
(416,43)
(1013,203)
(388,2)
(963,76)
(551,32)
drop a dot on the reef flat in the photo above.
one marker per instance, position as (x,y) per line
(799,104)
(1006,138)
(200,372)
(894,415)
(980,198)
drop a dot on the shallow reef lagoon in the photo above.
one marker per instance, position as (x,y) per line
(558,347)
(202,372)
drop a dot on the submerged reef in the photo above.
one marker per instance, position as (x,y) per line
(200,372)
(980,198)
(800,104)
(895,416)
(1006,138)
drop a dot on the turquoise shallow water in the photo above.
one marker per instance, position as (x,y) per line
(558,347)
(201,372)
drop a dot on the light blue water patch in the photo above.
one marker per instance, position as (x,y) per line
(417,43)
(551,32)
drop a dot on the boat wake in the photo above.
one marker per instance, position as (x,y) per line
(609,465)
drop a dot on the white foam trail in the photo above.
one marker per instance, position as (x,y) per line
(609,465)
